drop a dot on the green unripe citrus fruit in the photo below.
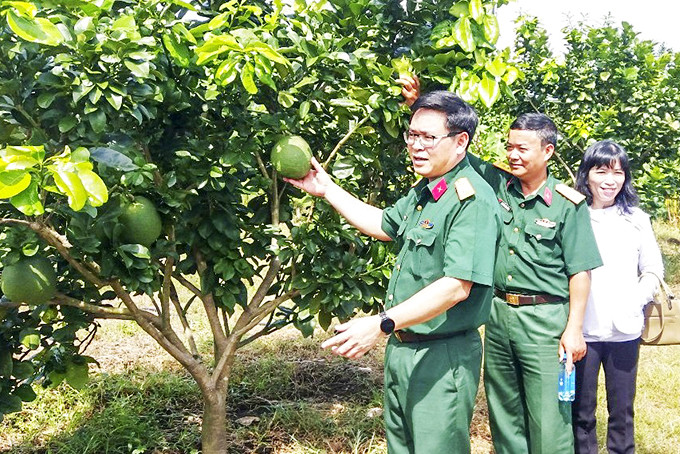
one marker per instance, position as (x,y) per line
(30,280)
(141,222)
(291,157)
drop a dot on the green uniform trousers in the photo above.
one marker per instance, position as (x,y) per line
(520,378)
(430,390)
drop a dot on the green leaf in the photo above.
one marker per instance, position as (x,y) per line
(116,101)
(25,393)
(30,339)
(97,192)
(496,67)
(28,201)
(286,99)
(460,9)
(181,30)
(69,184)
(226,73)
(13,182)
(489,90)
(491,28)
(304,108)
(6,363)
(77,375)
(97,120)
(177,50)
(45,99)
(462,32)
(511,75)
(67,123)
(37,30)
(137,250)
(112,158)
(343,169)
(25,9)
(36,152)
(125,24)
(247,78)
(140,70)
(476,9)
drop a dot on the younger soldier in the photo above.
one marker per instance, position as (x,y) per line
(440,291)
(541,283)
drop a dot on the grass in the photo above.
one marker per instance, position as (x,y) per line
(286,396)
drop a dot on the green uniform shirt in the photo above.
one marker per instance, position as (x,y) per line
(447,227)
(546,238)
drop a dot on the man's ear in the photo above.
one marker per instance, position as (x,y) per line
(549,150)
(461,142)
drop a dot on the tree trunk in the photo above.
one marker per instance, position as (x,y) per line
(214,428)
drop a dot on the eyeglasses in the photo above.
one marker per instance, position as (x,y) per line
(426,141)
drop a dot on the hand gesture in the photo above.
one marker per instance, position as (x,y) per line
(410,88)
(355,337)
(573,343)
(316,182)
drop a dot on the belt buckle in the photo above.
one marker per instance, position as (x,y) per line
(512,299)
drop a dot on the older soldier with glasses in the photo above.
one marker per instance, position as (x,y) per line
(446,228)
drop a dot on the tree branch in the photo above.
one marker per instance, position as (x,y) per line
(344,140)
(62,245)
(260,164)
(211,309)
(64,300)
(188,332)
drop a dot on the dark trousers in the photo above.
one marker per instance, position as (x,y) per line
(619,361)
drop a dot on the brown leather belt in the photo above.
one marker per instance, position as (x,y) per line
(407,336)
(515,299)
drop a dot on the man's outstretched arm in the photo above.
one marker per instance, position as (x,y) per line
(365,217)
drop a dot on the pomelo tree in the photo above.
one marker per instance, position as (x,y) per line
(178,104)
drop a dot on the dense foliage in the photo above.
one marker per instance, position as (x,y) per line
(102,101)
(609,84)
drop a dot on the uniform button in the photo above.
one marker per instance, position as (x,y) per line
(418,241)
(539,236)
(512,252)
(390,297)
(515,230)
(419,208)
(398,267)
(405,218)
(521,205)
(509,278)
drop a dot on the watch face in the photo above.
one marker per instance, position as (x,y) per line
(387,325)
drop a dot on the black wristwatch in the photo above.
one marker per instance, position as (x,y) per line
(386,324)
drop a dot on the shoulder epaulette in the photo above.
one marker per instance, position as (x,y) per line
(504,166)
(570,194)
(464,188)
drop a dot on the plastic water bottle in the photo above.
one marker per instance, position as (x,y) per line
(567,381)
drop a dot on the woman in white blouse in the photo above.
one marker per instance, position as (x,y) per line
(614,318)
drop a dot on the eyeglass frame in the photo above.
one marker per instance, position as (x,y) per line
(420,137)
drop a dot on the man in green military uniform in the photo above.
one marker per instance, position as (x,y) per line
(541,283)
(440,291)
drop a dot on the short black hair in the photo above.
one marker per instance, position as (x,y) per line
(606,153)
(460,116)
(541,123)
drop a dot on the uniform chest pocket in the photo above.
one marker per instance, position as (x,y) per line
(422,258)
(540,244)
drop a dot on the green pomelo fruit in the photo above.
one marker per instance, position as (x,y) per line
(291,157)
(31,280)
(141,222)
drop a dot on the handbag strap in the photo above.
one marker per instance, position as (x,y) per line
(663,285)
(669,298)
